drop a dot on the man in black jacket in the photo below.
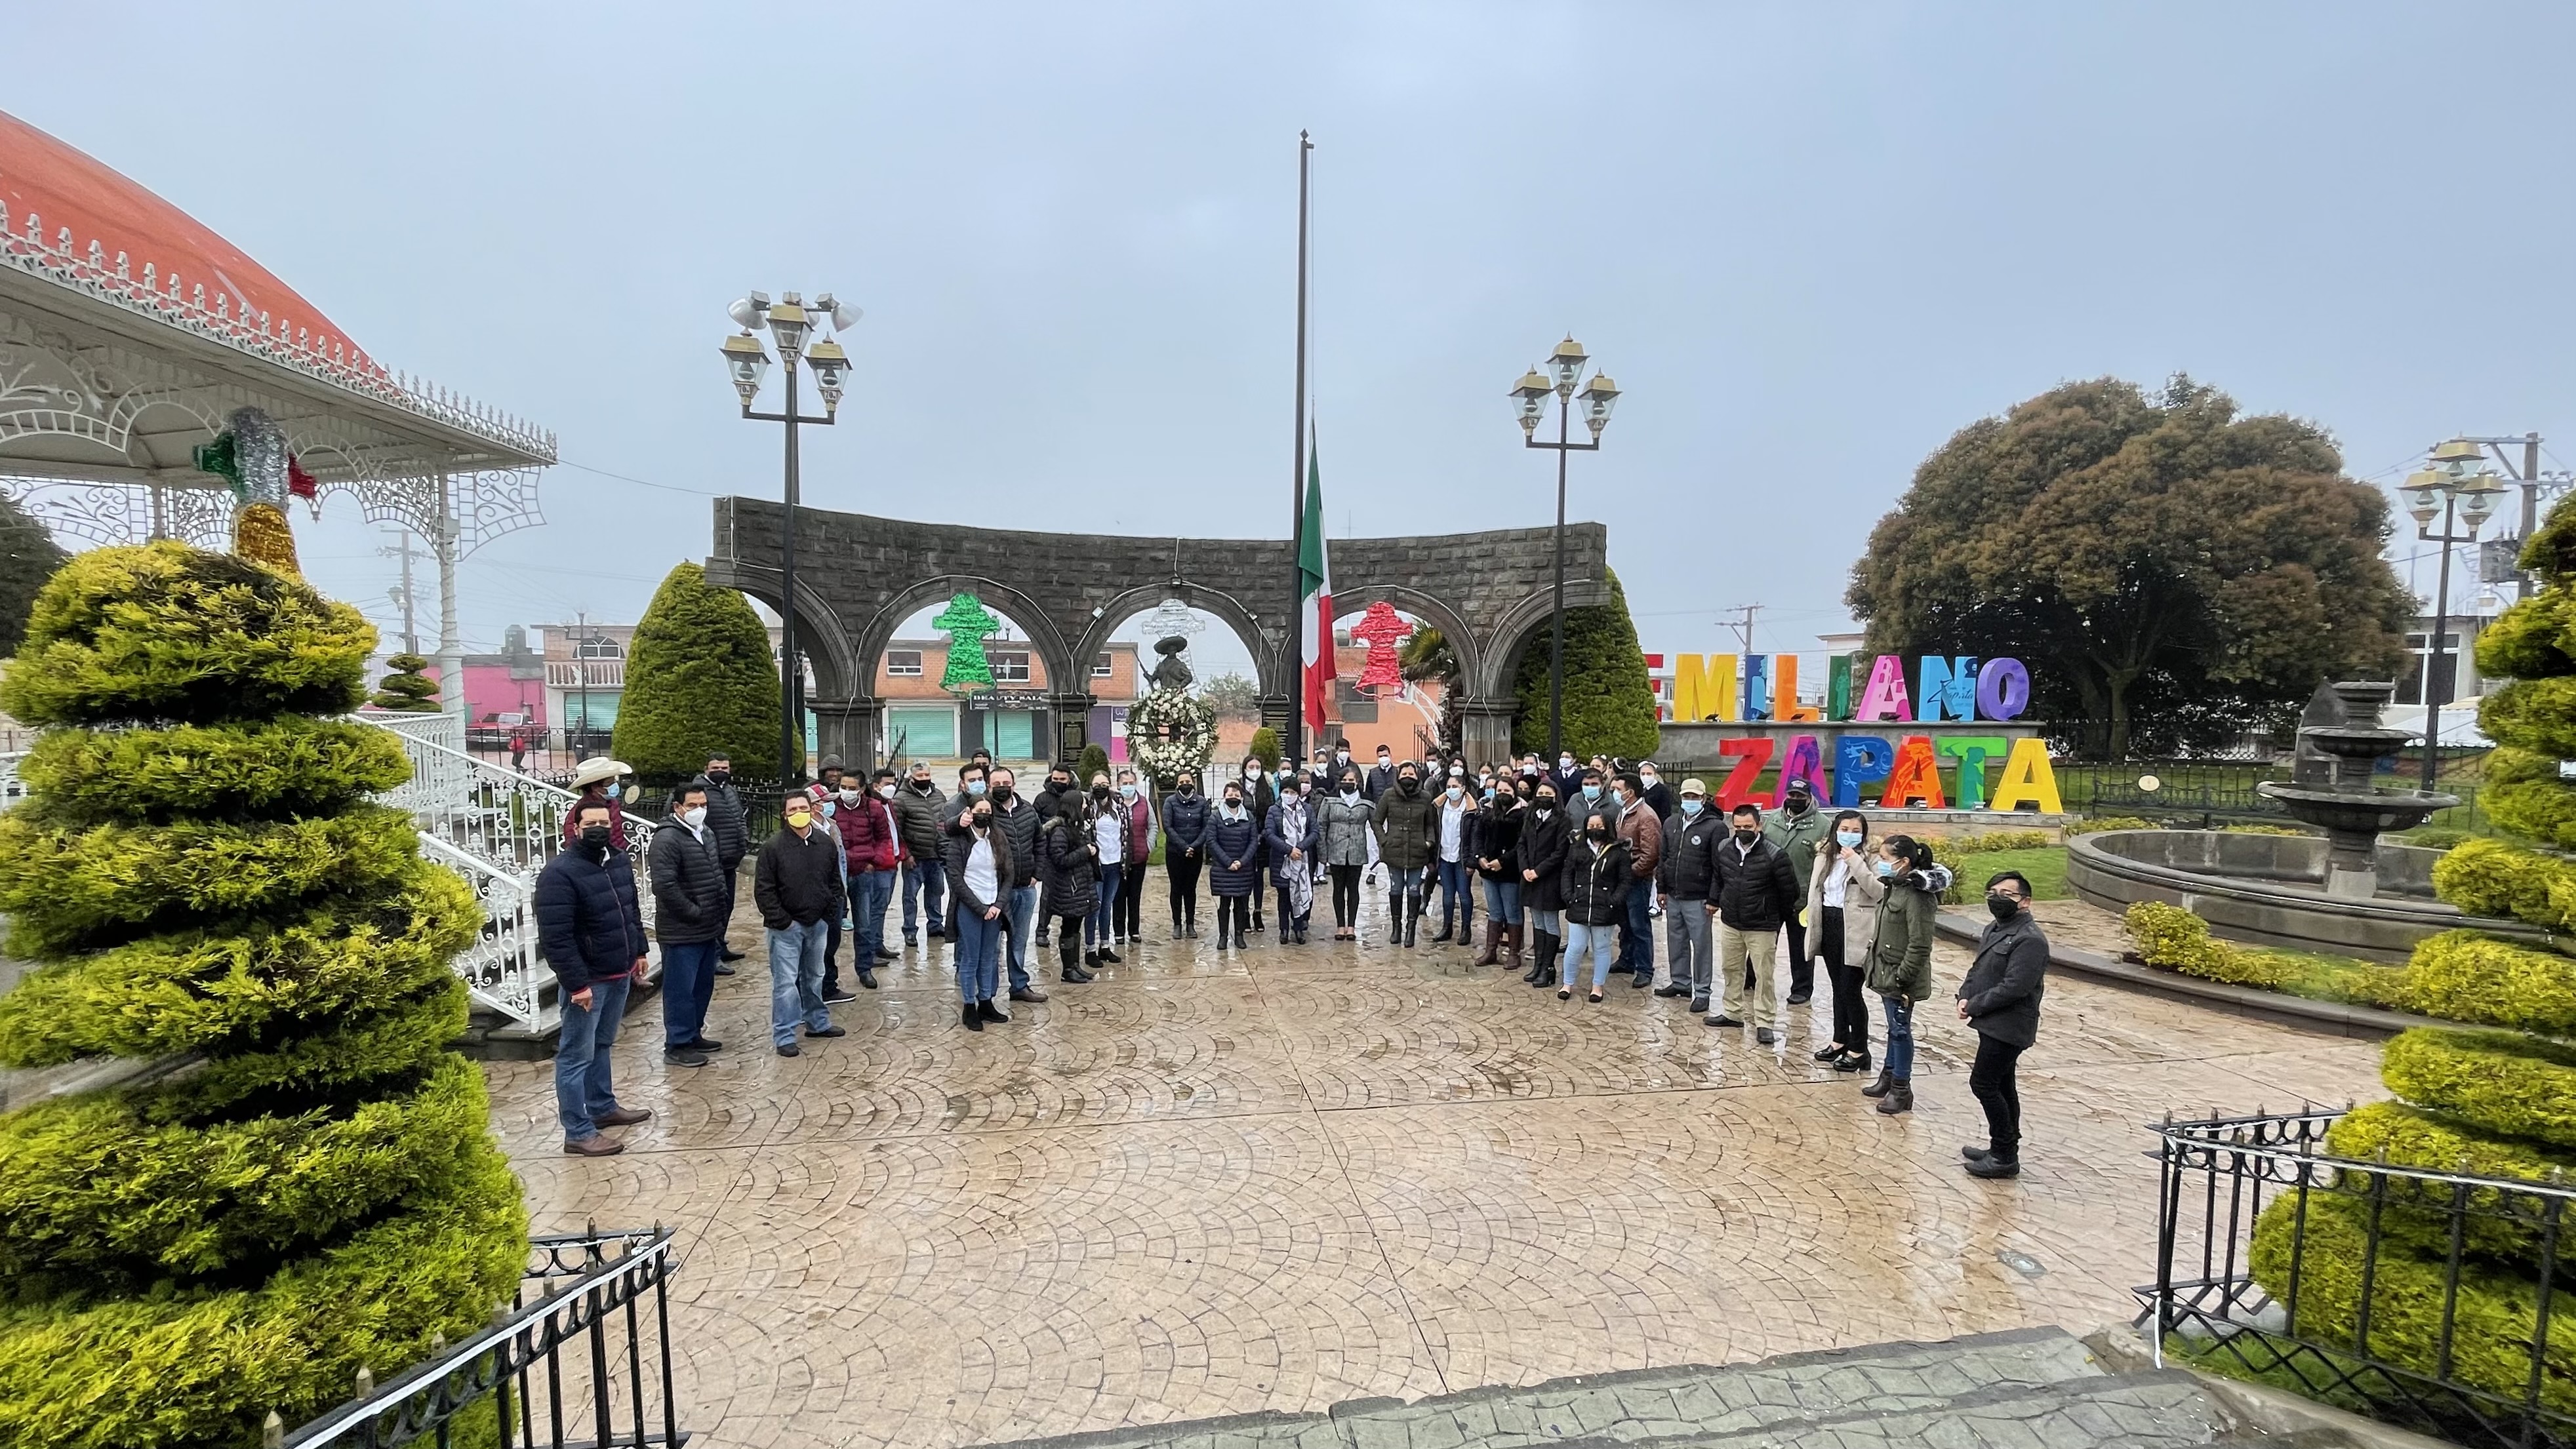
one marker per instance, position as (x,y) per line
(798,887)
(1051,802)
(1999,998)
(918,811)
(1018,822)
(591,932)
(731,830)
(1683,879)
(1753,893)
(688,917)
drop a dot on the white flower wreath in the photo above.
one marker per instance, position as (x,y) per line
(1171,734)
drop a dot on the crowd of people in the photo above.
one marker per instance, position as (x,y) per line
(1573,865)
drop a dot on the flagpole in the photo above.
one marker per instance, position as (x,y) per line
(1293,749)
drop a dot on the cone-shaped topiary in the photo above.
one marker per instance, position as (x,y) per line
(199,871)
(700,681)
(1609,697)
(2499,1103)
(407,689)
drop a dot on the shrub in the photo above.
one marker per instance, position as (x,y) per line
(2253,828)
(1095,761)
(407,689)
(1949,851)
(1609,697)
(2177,940)
(701,679)
(2469,976)
(28,557)
(2173,938)
(2434,837)
(2418,1211)
(2099,823)
(2533,714)
(2491,878)
(318,1191)
(2500,1082)
(1264,747)
(2527,641)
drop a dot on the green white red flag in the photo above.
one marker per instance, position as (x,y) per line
(1315,602)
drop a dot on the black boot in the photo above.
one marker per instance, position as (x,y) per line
(1879,1087)
(1412,920)
(1542,960)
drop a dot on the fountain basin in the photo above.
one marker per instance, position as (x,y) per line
(2271,890)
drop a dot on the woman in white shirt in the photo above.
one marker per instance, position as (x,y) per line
(979,863)
(1842,902)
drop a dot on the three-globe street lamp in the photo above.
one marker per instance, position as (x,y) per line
(1563,368)
(2462,490)
(789,324)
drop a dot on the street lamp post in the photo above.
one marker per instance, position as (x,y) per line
(2459,487)
(789,324)
(1564,367)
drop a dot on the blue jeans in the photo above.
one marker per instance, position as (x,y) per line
(1096,930)
(1457,898)
(1900,1037)
(1638,938)
(1580,938)
(1550,922)
(688,983)
(1021,911)
(796,980)
(1503,902)
(582,1089)
(979,944)
(869,892)
(927,880)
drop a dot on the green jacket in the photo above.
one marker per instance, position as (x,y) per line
(1900,960)
(1796,837)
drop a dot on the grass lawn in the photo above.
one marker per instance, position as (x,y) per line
(2046,867)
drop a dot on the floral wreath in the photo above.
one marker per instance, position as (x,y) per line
(1171,734)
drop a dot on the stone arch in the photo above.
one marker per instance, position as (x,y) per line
(1462,640)
(819,635)
(1022,610)
(1521,624)
(1272,671)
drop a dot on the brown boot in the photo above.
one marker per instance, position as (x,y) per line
(1493,944)
(1512,947)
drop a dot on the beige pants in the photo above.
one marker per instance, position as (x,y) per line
(1734,949)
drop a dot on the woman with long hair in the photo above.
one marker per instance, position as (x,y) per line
(1843,892)
(1900,959)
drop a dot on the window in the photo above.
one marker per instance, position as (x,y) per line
(1102,667)
(2410,678)
(1010,666)
(595,647)
(904,663)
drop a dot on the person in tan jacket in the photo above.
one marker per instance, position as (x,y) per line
(1843,892)
(1642,831)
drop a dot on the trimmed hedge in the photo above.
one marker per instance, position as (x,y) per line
(2491,878)
(291,766)
(100,1187)
(168,632)
(201,990)
(2176,940)
(2483,980)
(185,1369)
(2527,641)
(2418,1138)
(2533,714)
(67,887)
(2496,1321)
(394,1043)
(2500,1082)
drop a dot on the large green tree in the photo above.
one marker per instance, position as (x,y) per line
(1609,698)
(700,681)
(28,557)
(2158,561)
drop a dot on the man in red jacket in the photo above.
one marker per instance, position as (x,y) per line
(875,852)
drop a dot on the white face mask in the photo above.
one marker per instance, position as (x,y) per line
(1647,779)
(850,797)
(1252,772)
(886,791)
(694,816)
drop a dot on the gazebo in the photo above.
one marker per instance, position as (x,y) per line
(155,382)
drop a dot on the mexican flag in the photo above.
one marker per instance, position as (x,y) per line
(1315,603)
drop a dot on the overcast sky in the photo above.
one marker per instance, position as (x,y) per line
(1810,242)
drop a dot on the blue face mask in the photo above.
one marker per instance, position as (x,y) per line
(1691,806)
(974,787)
(1591,792)
(1848,839)
(1884,866)
(1127,790)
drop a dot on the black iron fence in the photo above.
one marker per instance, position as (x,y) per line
(2418,1297)
(581,1358)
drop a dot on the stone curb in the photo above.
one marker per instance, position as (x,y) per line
(2369,1023)
(2276,1412)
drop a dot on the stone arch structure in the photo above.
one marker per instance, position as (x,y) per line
(859,577)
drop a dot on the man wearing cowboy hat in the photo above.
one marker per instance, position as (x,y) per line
(596,783)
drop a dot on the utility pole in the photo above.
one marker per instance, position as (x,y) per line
(1744,626)
(2531,481)
(403,550)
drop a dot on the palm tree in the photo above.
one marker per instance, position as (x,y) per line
(1427,657)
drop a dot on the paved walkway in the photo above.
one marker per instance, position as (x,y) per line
(1214,1183)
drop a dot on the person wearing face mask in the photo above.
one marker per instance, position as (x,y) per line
(595,781)
(590,929)
(1109,823)
(1455,855)
(919,811)
(1796,830)
(1642,831)
(970,788)
(1128,918)
(874,847)
(1344,821)
(1999,1000)
(1755,891)
(1900,959)
(1843,892)
(1380,778)
(1185,823)
(1683,879)
(797,886)
(1069,859)
(1016,821)
(1259,795)
(1408,832)
(1595,883)
(1657,795)
(1591,796)
(979,872)
(1498,865)
(1544,839)
(1234,849)
(731,828)
(1568,776)
(1290,834)
(827,817)
(1054,798)
(688,919)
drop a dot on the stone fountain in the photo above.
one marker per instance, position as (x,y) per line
(2331,789)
